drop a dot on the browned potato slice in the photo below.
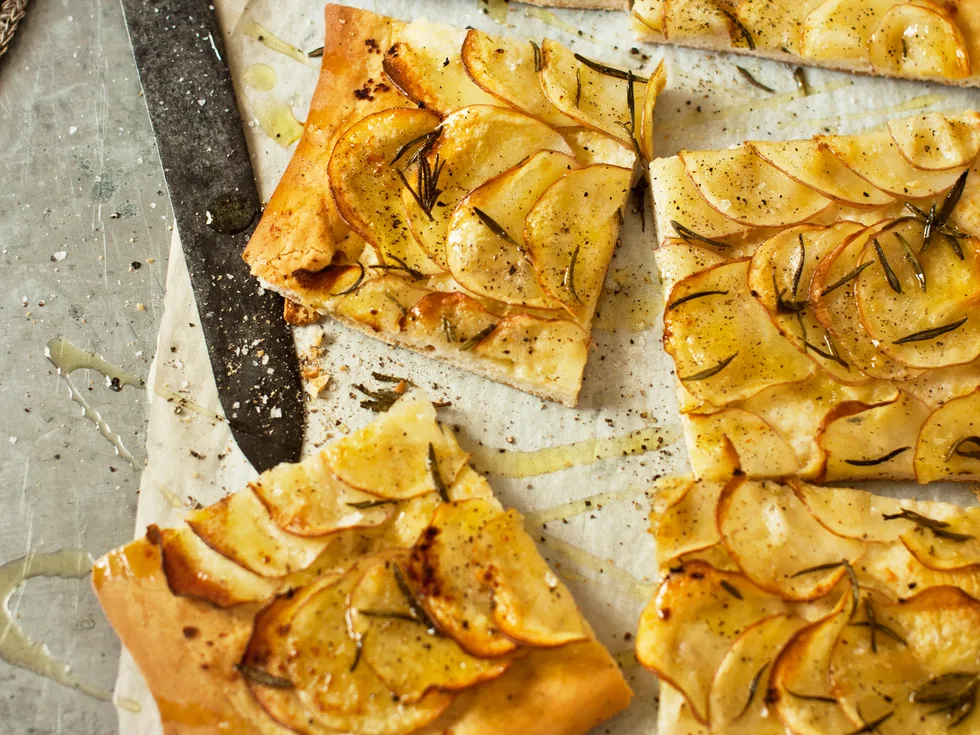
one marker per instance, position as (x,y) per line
(892,570)
(688,524)
(839,30)
(697,19)
(381,303)
(745,188)
(716,556)
(410,519)
(874,674)
(876,159)
(946,539)
(307,499)
(688,627)
(946,447)
(591,147)
(872,441)
(776,541)
(856,514)
(506,68)
(712,327)
(775,24)
(833,304)
(367,189)
(410,658)
(935,387)
(677,259)
(530,603)
(761,450)
(813,165)
(804,702)
(678,200)
(937,141)
(779,279)
(919,304)
(469,152)
(486,248)
(917,41)
(442,568)
(592,98)
(424,62)
(447,319)
(644,136)
(390,457)
(570,234)
(737,703)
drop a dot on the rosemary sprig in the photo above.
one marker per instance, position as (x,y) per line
(798,274)
(881,628)
(260,676)
(388,614)
(568,280)
(427,189)
(855,589)
(955,693)
(811,697)
(415,275)
(929,219)
(849,277)
(782,305)
(817,568)
(753,688)
(929,224)
(380,400)
(927,334)
(731,589)
(537,55)
(688,234)
(477,338)
(609,71)
(830,353)
(873,725)
(952,199)
(893,282)
(801,83)
(693,296)
(747,76)
(358,650)
(432,465)
(448,330)
(315,53)
(365,504)
(957,448)
(940,529)
(750,42)
(496,228)
(427,139)
(383,378)
(413,602)
(578,87)
(877,460)
(912,259)
(396,302)
(357,283)
(713,370)
(630,127)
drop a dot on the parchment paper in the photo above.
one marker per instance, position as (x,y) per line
(628,383)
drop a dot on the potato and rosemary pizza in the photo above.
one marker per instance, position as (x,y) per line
(823,301)
(458,194)
(376,588)
(791,609)
(912,39)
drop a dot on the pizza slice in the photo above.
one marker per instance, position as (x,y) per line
(822,301)
(913,39)
(791,608)
(376,588)
(458,194)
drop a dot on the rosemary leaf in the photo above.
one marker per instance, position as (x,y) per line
(358,650)
(940,529)
(881,628)
(496,228)
(397,303)
(413,602)
(432,465)
(688,234)
(818,568)
(731,589)
(782,305)
(381,377)
(826,354)
(799,268)
(855,587)
(357,283)
(713,370)
(388,614)
(811,697)
(929,224)
(631,101)
(380,400)
(401,266)
(315,53)
(365,504)
(873,725)
(750,42)
(877,460)
(414,141)
(568,281)
(640,203)
(801,83)
(957,448)
(927,334)
(869,610)
(448,330)
(753,688)
(952,199)
(849,277)
(747,76)
(912,259)
(477,338)
(260,676)
(609,71)
(693,296)
(537,56)
(578,87)
(942,688)
(890,276)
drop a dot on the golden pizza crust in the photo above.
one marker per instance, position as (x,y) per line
(187,651)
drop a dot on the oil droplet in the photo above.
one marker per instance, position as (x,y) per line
(549,18)
(496,9)
(67,358)
(552,459)
(260,76)
(636,305)
(574,508)
(278,121)
(172,499)
(16,647)
(130,705)
(262,35)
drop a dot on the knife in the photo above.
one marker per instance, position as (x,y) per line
(180,57)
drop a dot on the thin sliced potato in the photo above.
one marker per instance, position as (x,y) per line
(935,290)
(469,149)
(590,97)
(367,189)
(916,41)
(856,514)
(937,141)
(570,234)
(874,675)
(738,703)
(716,556)
(953,546)
(697,19)
(839,30)
(395,643)
(946,447)
(424,62)
(892,570)
(307,499)
(935,387)
(442,568)
(688,627)
(876,159)
(389,458)
(677,259)
(644,137)
(688,524)
(761,451)
(678,200)
(674,713)
(470,484)
(447,319)
(530,604)
(813,165)
(591,147)
(746,188)
(712,329)
(497,264)
(871,441)
(775,24)
(505,68)
(381,303)
(776,541)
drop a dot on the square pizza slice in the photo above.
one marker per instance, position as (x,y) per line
(458,194)
(791,608)
(376,588)
(822,301)
(917,39)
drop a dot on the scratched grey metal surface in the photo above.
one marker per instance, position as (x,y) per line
(79,175)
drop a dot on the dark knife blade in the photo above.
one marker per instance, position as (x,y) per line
(191,101)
